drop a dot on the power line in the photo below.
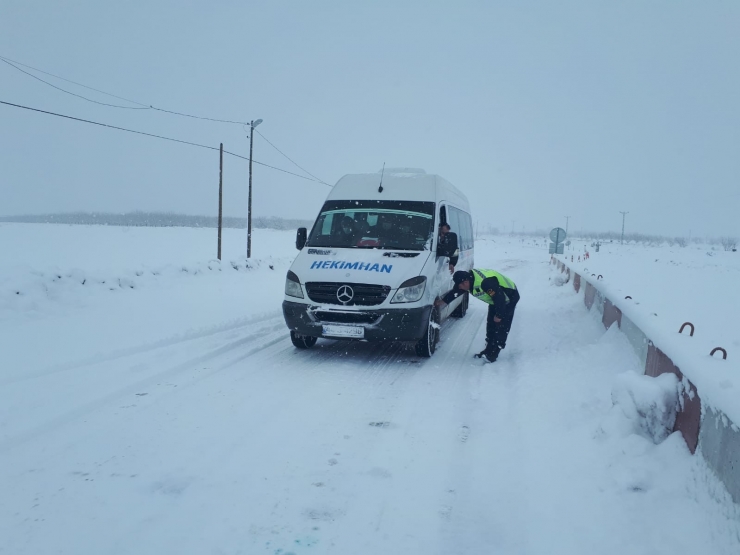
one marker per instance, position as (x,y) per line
(143,106)
(288,157)
(157,137)
(273,167)
(195,117)
(106,125)
(73,82)
(69,92)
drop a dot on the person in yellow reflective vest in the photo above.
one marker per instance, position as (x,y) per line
(501,295)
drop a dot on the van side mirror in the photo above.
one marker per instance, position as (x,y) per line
(300,238)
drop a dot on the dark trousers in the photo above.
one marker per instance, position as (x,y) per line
(497,333)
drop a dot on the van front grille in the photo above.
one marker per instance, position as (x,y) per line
(346,317)
(362,294)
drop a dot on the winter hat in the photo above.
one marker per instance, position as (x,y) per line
(461,276)
(490,283)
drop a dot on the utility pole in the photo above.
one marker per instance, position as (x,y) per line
(624,214)
(512,226)
(567,219)
(252,125)
(220,195)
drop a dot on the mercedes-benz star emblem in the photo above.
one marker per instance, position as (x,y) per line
(345,294)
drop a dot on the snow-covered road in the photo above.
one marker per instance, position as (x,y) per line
(230,441)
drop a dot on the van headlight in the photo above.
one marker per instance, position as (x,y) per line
(293,286)
(410,290)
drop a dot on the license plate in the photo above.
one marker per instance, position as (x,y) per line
(354,332)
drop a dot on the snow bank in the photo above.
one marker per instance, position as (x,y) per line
(32,293)
(668,286)
(707,407)
(649,404)
(115,249)
(72,294)
(48,269)
(657,317)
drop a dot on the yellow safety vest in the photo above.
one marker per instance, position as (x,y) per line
(480,275)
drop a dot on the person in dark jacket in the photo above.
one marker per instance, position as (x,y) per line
(346,235)
(447,245)
(501,295)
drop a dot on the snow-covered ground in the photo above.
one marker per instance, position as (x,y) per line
(167,412)
(670,285)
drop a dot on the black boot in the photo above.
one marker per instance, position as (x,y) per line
(491,354)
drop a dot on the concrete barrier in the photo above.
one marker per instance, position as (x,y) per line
(611,314)
(720,446)
(713,434)
(688,417)
(638,340)
(589,295)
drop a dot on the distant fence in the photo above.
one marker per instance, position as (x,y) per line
(716,437)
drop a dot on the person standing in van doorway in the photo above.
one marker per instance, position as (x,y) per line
(447,243)
(501,295)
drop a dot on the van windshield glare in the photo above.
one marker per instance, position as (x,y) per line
(374,224)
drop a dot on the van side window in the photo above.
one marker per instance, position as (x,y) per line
(468,231)
(443,215)
(463,218)
(469,225)
(461,224)
(454,221)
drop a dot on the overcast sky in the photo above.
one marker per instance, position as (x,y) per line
(536,110)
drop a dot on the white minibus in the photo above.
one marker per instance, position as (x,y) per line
(372,265)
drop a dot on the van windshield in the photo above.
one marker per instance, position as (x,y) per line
(374,224)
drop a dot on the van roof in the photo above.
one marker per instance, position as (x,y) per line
(398,184)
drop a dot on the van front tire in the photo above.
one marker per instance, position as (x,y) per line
(426,346)
(302,341)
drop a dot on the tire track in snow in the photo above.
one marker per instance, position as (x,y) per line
(494,434)
(407,431)
(156,345)
(371,361)
(459,425)
(373,375)
(271,336)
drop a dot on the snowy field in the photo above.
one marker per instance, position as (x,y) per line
(159,407)
(697,283)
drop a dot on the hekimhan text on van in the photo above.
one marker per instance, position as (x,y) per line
(340,265)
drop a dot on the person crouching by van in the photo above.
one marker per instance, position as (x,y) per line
(501,295)
(447,245)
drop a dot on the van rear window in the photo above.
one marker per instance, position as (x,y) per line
(374,224)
